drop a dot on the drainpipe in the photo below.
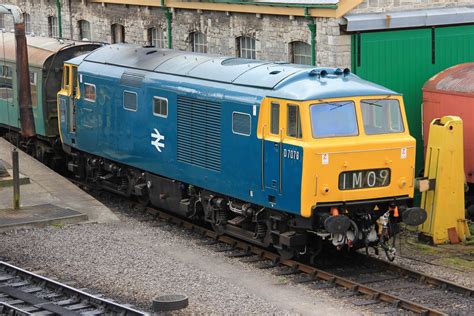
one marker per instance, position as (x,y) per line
(312,29)
(169,17)
(60,20)
(23,72)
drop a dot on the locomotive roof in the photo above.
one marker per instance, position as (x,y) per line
(39,48)
(291,81)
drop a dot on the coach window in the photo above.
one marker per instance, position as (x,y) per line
(66,77)
(160,107)
(275,118)
(241,123)
(33,85)
(89,92)
(130,100)
(6,83)
(294,122)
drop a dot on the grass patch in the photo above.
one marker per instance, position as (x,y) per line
(457,262)
(425,248)
(59,225)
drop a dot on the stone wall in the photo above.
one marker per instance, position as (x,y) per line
(273,33)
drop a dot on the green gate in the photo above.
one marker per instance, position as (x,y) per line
(403,60)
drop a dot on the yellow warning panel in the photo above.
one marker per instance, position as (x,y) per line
(444,168)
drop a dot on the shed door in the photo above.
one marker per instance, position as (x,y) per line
(403,60)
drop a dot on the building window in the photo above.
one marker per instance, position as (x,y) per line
(241,123)
(130,100)
(294,122)
(89,92)
(275,118)
(6,83)
(33,87)
(160,107)
(198,42)
(85,30)
(246,47)
(118,33)
(27,19)
(156,37)
(301,53)
(53,30)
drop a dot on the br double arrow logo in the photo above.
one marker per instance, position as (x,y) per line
(156,139)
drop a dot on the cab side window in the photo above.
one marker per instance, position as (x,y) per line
(294,122)
(66,82)
(275,118)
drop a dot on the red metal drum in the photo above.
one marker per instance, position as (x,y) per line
(451,92)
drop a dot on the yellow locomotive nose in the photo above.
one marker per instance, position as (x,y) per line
(367,154)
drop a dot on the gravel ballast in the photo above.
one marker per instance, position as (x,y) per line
(138,259)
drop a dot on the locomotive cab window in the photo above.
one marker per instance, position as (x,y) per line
(275,118)
(67,77)
(333,119)
(89,92)
(241,123)
(381,116)
(160,107)
(294,121)
(130,100)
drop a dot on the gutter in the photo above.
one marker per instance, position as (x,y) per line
(312,29)
(277,4)
(60,20)
(169,18)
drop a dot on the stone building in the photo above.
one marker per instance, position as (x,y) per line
(278,33)
(397,43)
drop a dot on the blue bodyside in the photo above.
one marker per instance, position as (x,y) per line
(221,160)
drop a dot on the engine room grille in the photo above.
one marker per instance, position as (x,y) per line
(199,133)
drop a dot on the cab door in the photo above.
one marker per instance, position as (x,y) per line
(272,153)
(67,99)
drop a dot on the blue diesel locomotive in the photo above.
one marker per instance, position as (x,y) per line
(274,153)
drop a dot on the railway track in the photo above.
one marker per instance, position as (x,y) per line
(387,287)
(26,293)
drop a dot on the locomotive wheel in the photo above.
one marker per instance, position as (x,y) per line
(287,253)
(218,229)
(144,200)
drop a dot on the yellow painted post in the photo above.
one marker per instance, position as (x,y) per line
(445,165)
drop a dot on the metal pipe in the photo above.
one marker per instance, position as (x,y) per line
(60,20)
(22,69)
(312,29)
(16,180)
(169,17)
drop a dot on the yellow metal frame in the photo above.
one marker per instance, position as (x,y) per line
(445,164)
(319,180)
(341,9)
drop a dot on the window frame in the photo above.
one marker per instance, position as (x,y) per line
(299,127)
(136,100)
(356,119)
(153,109)
(27,20)
(53,26)
(95,92)
(273,103)
(195,43)
(250,123)
(81,30)
(252,50)
(297,56)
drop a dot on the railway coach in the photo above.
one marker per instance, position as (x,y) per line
(274,153)
(46,57)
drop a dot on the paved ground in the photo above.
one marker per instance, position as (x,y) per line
(47,187)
